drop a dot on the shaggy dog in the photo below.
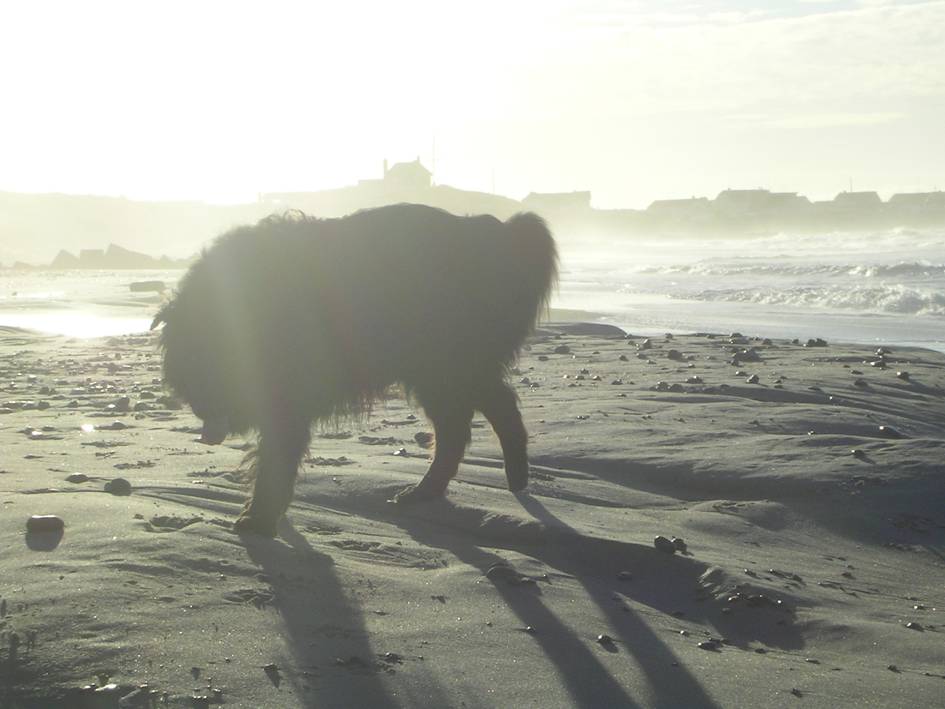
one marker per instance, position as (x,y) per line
(297,320)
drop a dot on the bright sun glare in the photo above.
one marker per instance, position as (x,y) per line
(634,101)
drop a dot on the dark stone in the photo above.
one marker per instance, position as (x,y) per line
(118,486)
(664,545)
(44,523)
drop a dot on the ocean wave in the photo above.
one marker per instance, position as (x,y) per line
(911,270)
(896,299)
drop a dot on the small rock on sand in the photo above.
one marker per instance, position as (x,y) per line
(118,486)
(423,439)
(77,478)
(44,523)
(664,545)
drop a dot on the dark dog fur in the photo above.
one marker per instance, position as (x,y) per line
(297,320)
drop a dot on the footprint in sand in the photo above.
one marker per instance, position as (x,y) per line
(170,523)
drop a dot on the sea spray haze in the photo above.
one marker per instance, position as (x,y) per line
(884,287)
(296,320)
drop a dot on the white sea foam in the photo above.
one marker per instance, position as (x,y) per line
(879,299)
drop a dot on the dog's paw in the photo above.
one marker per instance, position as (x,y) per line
(517,477)
(249,524)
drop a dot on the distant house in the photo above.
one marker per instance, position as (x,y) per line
(680,213)
(918,201)
(677,207)
(558,201)
(402,176)
(759,202)
(408,176)
(858,200)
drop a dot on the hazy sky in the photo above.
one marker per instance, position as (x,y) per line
(632,100)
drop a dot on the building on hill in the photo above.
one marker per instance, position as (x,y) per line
(408,176)
(758,202)
(858,200)
(918,200)
(688,205)
(679,212)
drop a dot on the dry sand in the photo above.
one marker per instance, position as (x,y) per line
(805,561)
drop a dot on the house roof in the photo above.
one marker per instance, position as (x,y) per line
(412,167)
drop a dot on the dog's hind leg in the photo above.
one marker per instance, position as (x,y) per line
(499,405)
(278,458)
(451,428)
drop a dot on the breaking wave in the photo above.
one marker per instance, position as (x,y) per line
(919,270)
(897,299)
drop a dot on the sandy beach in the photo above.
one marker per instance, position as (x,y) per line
(803,483)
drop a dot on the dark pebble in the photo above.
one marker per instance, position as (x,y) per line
(912,625)
(114,426)
(44,523)
(423,439)
(562,349)
(664,545)
(679,544)
(77,478)
(753,379)
(118,486)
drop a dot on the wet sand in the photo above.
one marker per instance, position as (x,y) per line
(808,502)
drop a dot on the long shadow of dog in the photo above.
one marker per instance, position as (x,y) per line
(335,664)
(673,587)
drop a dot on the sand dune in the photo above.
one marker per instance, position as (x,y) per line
(805,562)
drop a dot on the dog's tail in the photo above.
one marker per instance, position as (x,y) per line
(534,258)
